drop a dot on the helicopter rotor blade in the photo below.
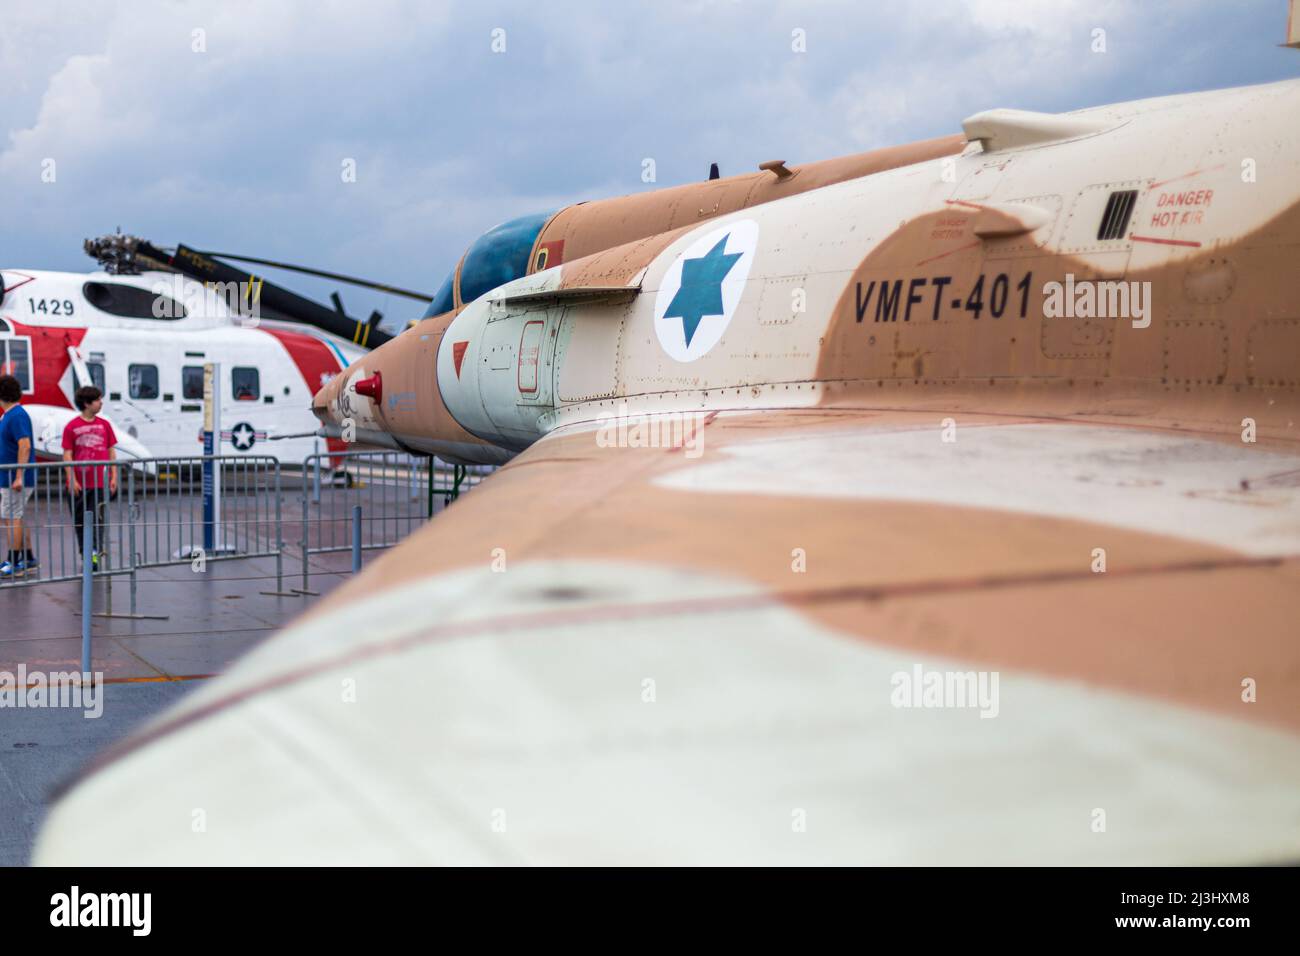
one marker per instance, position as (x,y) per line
(366,283)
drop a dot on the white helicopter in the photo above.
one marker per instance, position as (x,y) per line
(142,332)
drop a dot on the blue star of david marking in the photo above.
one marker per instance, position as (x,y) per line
(701,289)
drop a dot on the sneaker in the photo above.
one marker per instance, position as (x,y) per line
(9,570)
(32,564)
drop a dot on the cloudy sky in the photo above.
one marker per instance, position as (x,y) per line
(227,125)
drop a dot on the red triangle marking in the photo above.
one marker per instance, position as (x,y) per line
(458,354)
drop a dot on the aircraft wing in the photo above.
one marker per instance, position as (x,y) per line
(722,652)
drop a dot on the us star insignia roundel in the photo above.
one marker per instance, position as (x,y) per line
(243,437)
(701,289)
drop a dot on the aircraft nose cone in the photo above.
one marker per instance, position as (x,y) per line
(326,398)
(353,400)
(389,396)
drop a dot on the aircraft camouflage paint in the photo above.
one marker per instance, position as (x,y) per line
(904,440)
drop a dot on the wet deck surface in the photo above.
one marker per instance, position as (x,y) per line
(213,617)
(41,749)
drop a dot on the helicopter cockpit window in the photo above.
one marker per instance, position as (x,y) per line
(499,255)
(131,302)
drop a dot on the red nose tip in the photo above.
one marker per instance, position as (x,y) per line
(372,387)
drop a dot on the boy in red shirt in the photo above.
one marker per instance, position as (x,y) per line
(90,438)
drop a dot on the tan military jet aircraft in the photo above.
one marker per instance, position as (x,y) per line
(936,505)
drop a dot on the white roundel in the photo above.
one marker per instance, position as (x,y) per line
(701,289)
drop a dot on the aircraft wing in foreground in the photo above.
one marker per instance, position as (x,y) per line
(610,655)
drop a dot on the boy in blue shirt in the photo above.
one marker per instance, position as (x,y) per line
(17,485)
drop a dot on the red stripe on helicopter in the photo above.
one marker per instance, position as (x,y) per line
(49,360)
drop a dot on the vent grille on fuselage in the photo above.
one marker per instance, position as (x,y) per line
(1119,210)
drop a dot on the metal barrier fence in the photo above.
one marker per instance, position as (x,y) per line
(142,513)
(396,493)
(147,513)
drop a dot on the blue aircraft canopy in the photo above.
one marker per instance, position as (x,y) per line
(496,257)
(442,300)
(499,255)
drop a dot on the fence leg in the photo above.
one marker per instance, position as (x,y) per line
(356,538)
(315,475)
(279,545)
(279,536)
(304,542)
(101,519)
(87,595)
(130,519)
(304,590)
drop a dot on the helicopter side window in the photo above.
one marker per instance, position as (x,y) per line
(143,381)
(192,382)
(96,370)
(244,384)
(16,360)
